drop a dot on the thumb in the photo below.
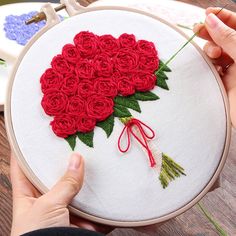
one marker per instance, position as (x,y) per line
(69,185)
(222,35)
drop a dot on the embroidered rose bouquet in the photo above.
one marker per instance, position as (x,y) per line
(99,78)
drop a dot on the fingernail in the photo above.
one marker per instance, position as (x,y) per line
(74,162)
(212,20)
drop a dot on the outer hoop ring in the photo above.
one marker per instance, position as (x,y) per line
(31,176)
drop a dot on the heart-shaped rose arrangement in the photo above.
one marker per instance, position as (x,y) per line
(97,78)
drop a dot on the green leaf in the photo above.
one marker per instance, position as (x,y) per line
(164,67)
(120,111)
(2,62)
(72,141)
(86,138)
(162,83)
(129,102)
(107,125)
(146,96)
(161,74)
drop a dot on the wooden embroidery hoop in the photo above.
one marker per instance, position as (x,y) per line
(73,8)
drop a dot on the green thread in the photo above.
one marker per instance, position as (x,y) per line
(72,141)
(219,229)
(86,138)
(145,96)
(128,102)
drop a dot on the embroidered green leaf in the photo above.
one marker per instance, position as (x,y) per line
(86,138)
(2,62)
(72,141)
(162,83)
(107,125)
(129,102)
(145,96)
(120,111)
(164,67)
(161,74)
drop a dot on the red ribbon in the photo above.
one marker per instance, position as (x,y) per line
(140,125)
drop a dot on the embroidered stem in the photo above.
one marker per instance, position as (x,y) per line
(170,170)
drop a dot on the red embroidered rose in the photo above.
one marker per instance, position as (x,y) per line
(85,88)
(127,41)
(125,86)
(70,84)
(54,102)
(126,60)
(50,79)
(61,65)
(148,63)
(146,47)
(80,88)
(76,106)
(108,44)
(103,65)
(144,82)
(99,107)
(64,125)
(85,123)
(84,69)
(70,53)
(86,42)
(106,87)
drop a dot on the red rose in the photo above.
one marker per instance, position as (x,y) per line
(61,65)
(106,87)
(54,102)
(99,107)
(50,80)
(85,124)
(148,63)
(103,65)
(126,60)
(70,53)
(86,43)
(70,84)
(144,82)
(84,69)
(125,86)
(127,41)
(108,44)
(85,88)
(146,47)
(64,125)
(76,106)
(116,75)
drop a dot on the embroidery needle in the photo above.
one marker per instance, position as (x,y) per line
(184,45)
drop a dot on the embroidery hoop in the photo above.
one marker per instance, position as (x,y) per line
(52,20)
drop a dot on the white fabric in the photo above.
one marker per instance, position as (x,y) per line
(189,121)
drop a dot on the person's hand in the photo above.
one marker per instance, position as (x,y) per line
(221,48)
(32,211)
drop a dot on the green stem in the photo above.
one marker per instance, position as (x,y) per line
(170,170)
(219,229)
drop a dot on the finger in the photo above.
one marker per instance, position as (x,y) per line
(221,34)
(69,185)
(224,60)
(21,186)
(212,50)
(201,31)
(228,17)
(85,224)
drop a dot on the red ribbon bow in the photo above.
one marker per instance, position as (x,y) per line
(140,125)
